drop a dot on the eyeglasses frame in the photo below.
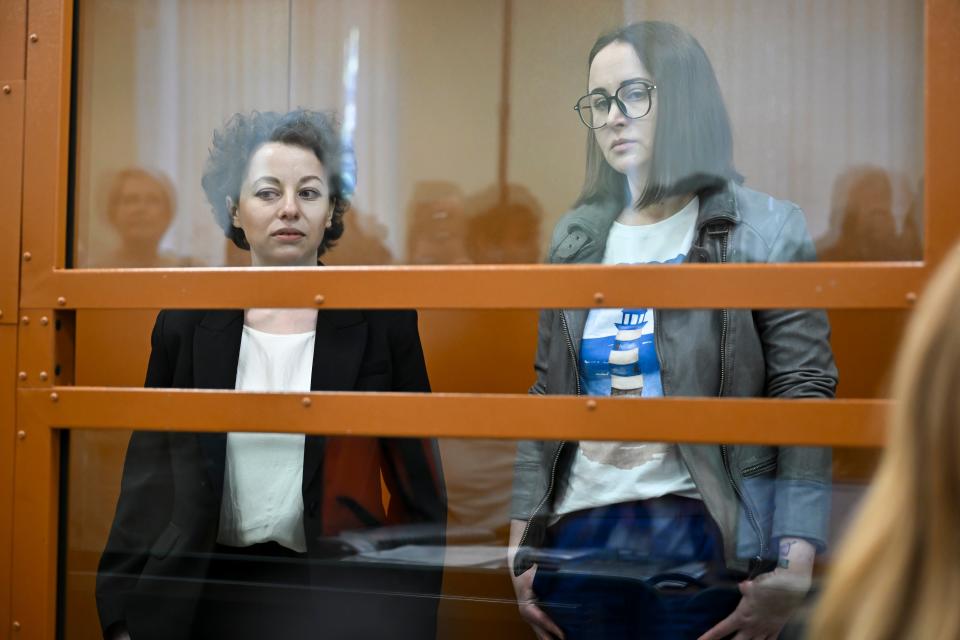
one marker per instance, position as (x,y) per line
(651,87)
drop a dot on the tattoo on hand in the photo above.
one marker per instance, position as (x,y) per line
(784,561)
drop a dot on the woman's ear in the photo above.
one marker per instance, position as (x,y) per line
(232,208)
(333,209)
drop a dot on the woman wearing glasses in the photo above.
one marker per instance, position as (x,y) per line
(656,540)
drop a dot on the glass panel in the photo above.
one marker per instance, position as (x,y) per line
(166,558)
(474,351)
(462,140)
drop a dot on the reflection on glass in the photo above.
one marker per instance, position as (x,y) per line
(239,535)
(478,97)
(476,597)
(865,224)
(730,532)
(504,226)
(141,205)
(437,225)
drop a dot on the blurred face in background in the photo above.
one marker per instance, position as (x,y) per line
(284,206)
(141,209)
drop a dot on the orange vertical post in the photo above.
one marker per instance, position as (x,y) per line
(942,134)
(34,610)
(8,428)
(44,45)
(13,33)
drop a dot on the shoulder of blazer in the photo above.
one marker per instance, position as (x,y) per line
(390,320)
(175,329)
(185,321)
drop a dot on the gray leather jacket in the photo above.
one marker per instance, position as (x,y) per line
(756,494)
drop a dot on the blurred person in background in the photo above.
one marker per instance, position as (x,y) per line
(238,535)
(141,205)
(658,540)
(437,225)
(504,230)
(863,223)
(897,570)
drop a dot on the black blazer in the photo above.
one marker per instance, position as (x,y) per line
(152,570)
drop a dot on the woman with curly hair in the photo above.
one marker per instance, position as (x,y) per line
(235,535)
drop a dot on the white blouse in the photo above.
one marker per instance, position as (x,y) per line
(263,478)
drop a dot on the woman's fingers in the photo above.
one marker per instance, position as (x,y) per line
(724,628)
(540,621)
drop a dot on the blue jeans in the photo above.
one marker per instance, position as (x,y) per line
(646,569)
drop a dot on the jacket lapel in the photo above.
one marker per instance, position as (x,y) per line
(216,354)
(337,352)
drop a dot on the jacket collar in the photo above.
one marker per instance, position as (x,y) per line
(338,349)
(718,204)
(584,237)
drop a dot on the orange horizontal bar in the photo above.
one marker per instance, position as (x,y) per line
(841,423)
(810,285)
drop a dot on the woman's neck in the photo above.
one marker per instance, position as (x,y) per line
(656,212)
(281,320)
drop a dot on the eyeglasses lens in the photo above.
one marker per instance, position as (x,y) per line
(634,98)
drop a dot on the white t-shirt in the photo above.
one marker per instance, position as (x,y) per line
(618,357)
(263,478)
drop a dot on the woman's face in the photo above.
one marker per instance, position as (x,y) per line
(626,143)
(284,206)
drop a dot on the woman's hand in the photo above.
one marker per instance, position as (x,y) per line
(543,626)
(770,599)
(119,633)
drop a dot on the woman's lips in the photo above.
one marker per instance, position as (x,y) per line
(288,235)
(620,145)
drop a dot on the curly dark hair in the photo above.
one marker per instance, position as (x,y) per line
(243,134)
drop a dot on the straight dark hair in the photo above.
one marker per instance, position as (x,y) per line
(693,143)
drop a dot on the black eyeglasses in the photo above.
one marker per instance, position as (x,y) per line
(633,98)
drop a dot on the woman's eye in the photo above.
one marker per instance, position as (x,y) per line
(309,194)
(600,103)
(267,194)
(636,94)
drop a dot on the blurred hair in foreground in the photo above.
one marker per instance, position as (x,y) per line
(898,573)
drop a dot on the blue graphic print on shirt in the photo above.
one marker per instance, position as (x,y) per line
(622,361)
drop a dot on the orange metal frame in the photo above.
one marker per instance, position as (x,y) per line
(35,62)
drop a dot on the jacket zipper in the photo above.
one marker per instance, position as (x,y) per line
(724,454)
(556,456)
(759,468)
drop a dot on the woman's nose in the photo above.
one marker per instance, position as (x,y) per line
(289,207)
(615,116)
